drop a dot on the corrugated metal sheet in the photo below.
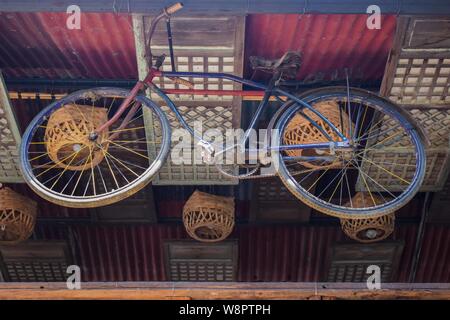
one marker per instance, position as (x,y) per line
(47,232)
(416,7)
(124,253)
(434,263)
(284,253)
(329,43)
(301,253)
(266,253)
(407,234)
(40,45)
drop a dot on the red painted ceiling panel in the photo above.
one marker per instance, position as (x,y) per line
(41,45)
(434,263)
(266,253)
(328,43)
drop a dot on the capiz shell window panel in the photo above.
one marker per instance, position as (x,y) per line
(201,44)
(417,78)
(9,139)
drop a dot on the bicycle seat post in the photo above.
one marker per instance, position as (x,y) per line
(261,106)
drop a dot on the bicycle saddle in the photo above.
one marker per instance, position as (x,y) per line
(288,65)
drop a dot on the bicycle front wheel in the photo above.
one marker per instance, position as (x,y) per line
(380,170)
(63,164)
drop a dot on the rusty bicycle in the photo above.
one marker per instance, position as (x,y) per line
(95,147)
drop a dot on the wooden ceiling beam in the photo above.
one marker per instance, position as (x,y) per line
(236,7)
(199,290)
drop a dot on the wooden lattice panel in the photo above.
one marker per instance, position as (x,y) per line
(418,78)
(421,81)
(188,261)
(272,189)
(35,261)
(418,71)
(404,167)
(349,262)
(271,201)
(355,272)
(435,121)
(201,44)
(37,271)
(9,139)
(133,140)
(138,208)
(218,117)
(190,63)
(191,270)
(397,156)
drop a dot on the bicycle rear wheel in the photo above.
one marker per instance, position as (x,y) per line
(61,164)
(379,173)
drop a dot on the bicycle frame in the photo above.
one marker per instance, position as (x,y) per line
(264,91)
(346,154)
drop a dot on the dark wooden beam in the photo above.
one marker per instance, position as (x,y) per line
(197,290)
(419,238)
(236,7)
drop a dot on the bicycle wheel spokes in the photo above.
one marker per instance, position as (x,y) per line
(66,162)
(377,167)
(307,128)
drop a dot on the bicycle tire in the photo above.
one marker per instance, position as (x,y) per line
(353,213)
(94,201)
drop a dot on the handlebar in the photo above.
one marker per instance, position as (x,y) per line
(166,13)
(174,8)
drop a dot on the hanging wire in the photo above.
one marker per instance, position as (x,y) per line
(304,9)
(399,7)
(117,12)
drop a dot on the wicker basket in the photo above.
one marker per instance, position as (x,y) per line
(17,217)
(300,131)
(368,230)
(207,217)
(67,136)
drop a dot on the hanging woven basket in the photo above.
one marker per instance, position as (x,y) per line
(299,130)
(67,136)
(17,217)
(368,230)
(207,217)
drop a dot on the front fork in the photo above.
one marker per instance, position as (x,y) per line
(140,85)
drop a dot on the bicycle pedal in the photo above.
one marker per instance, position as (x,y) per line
(265,159)
(207,152)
